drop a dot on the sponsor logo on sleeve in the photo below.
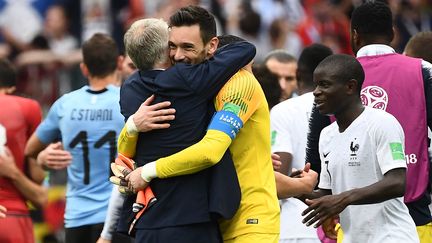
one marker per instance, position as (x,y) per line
(273,137)
(231,107)
(397,151)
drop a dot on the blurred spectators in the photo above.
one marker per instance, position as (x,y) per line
(283,36)
(54,43)
(289,10)
(325,23)
(56,30)
(245,22)
(20,22)
(413,16)
(48,64)
(97,16)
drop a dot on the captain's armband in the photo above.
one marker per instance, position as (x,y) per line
(226,122)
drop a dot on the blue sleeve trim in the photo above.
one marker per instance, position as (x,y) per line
(226,122)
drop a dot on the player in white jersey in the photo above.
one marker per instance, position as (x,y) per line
(289,126)
(363,168)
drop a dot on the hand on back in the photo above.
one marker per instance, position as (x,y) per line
(149,117)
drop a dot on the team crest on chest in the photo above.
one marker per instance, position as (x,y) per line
(354,147)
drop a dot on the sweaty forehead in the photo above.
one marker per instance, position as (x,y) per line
(181,35)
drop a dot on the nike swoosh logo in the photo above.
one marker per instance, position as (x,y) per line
(325,154)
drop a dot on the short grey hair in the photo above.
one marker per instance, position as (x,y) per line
(146,42)
(280,55)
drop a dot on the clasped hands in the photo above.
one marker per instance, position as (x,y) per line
(148,117)
(127,176)
(321,211)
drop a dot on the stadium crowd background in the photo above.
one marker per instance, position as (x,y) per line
(42,38)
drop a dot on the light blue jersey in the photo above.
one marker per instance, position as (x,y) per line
(88,124)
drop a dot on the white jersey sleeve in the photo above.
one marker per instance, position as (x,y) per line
(389,138)
(280,130)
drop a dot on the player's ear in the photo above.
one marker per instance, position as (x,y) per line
(352,86)
(84,69)
(213,44)
(120,60)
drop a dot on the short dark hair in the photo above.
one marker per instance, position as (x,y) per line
(309,59)
(100,55)
(420,45)
(8,74)
(191,15)
(228,39)
(373,18)
(269,83)
(344,68)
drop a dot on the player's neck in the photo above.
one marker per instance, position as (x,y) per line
(97,83)
(162,66)
(344,119)
(7,90)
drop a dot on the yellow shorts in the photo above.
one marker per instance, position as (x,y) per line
(255,238)
(425,233)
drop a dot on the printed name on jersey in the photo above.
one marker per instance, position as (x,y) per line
(91,115)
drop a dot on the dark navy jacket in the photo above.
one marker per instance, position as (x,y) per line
(191,89)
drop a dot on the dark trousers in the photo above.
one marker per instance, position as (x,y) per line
(83,234)
(194,233)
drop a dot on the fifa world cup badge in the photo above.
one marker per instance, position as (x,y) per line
(2,139)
